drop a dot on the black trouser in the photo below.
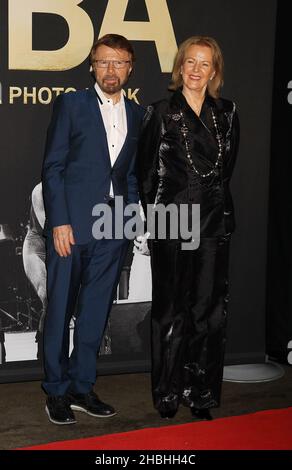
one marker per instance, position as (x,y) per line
(190,295)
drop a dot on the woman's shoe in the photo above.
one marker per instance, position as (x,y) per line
(167,414)
(201,414)
(167,405)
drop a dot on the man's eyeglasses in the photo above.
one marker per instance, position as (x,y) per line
(118,64)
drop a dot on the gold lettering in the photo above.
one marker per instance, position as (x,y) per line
(58,90)
(158,29)
(132,94)
(21,55)
(14,92)
(45,95)
(27,94)
(46,91)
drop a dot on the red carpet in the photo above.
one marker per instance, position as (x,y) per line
(260,431)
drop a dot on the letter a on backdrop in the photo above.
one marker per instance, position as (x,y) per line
(158,29)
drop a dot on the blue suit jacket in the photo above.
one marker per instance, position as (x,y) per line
(77,170)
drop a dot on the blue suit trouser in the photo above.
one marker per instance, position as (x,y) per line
(82,284)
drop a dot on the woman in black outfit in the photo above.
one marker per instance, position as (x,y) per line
(186,155)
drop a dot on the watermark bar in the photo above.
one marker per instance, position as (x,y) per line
(163,222)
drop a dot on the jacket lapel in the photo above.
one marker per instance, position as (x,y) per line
(201,127)
(100,129)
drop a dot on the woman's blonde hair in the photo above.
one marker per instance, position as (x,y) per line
(214,85)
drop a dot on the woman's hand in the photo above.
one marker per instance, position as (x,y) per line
(141,246)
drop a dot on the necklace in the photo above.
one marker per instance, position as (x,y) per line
(185,130)
(197,108)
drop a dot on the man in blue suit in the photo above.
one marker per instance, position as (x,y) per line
(89,159)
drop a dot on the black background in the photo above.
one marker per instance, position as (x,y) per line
(279,285)
(245,30)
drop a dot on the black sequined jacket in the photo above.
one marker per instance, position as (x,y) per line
(167,176)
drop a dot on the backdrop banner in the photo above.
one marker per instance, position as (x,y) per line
(279,292)
(44,47)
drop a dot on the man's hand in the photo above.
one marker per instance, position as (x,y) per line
(63,239)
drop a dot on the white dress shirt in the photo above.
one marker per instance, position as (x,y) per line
(115,122)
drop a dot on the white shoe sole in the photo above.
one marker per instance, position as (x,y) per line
(58,422)
(83,410)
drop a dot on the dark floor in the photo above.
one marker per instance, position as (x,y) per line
(24,421)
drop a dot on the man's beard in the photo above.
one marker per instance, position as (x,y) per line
(108,88)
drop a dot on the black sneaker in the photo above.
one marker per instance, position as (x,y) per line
(90,403)
(58,410)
